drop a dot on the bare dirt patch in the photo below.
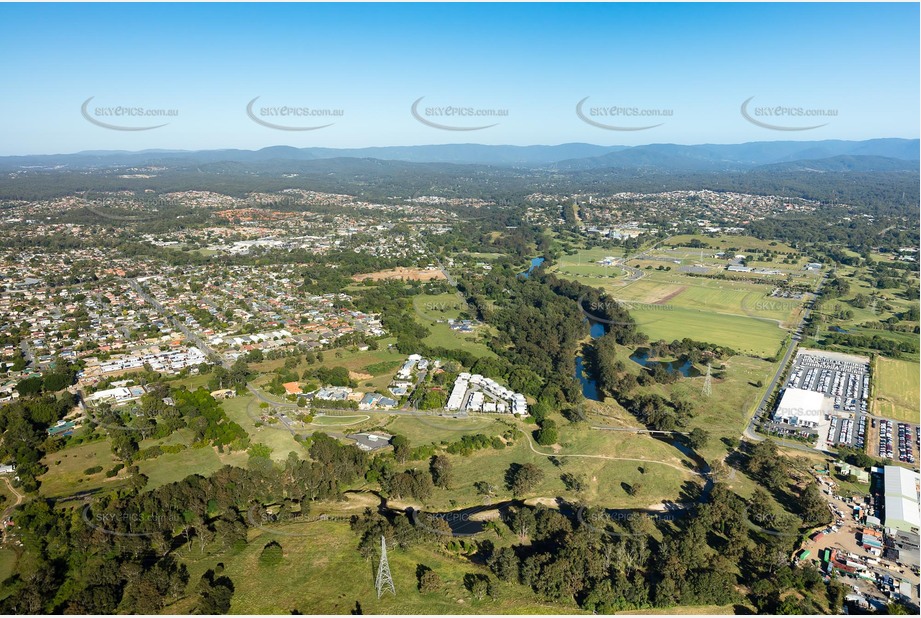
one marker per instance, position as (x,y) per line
(415,274)
(670,296)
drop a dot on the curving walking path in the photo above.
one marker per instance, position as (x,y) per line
(647,461)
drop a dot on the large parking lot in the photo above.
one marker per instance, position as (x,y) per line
(898,438)
(843,378)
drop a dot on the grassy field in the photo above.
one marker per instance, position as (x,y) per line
(66,476)
(610,462)
(898,389)
(323,573)
(433,430)
(433,310)
(443,337)
(244,411)
(744,334)
(340,421)
(172,467)
(7,563)
(723,416)
(438,307)
(672,305)
(724,242)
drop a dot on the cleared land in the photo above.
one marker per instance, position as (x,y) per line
(898,389)
(245,412)
(66,468)
(414,274)
(621,470)
(744,334)
(433,311)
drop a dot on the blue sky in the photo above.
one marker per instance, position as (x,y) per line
(699,62)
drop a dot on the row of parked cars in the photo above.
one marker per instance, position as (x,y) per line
(906,452)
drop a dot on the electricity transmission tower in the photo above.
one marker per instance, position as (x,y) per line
(384,580)
(708,383)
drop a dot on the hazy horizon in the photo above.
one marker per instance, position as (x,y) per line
(214,76)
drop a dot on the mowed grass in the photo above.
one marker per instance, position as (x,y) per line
(172,467)
(898,389)
(441,336)
(421,429)
(725,297)
(322,572)
(340,421)
(433,311)
(744,334)
(66,476)
(245,412)
(434,307)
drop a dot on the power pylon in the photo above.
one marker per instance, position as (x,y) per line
(384,580)
(708,383)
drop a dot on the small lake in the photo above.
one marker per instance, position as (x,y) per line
(535,262)
(685,368)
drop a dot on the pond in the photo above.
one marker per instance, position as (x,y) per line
(589,385)
(535,262)
(685,368)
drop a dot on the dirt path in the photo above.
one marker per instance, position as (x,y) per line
(19,498)
(647,461)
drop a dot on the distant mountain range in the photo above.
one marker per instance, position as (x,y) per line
(889,154)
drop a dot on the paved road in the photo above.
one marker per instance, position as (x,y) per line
(192,336)
(797,333)
(27,354)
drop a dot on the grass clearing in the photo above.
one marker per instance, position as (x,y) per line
(8,560)
(744,334)
(66,467)
(323,573)
(340,421)
(898,389)
(245,412)
(172,467)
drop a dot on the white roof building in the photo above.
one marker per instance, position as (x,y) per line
(902,489)
(802,408)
